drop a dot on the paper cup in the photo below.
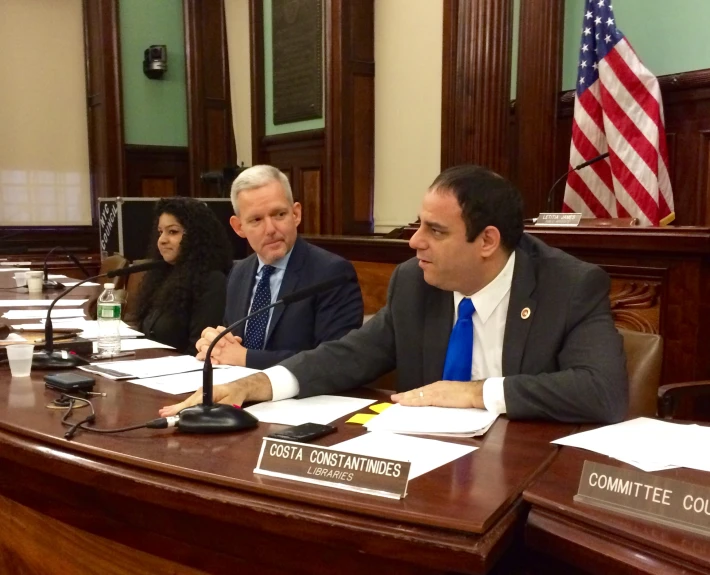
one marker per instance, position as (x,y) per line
(35,281)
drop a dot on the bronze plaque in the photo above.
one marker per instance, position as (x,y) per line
(297,36)
(662,500)
(327,466)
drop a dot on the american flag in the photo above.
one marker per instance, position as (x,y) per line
(617,108)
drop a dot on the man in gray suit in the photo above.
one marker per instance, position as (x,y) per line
(485,316)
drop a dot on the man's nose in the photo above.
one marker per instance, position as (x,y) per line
(416,242)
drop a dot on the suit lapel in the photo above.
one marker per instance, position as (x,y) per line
(438,322)
(244,290)
(292,274)
(521,313)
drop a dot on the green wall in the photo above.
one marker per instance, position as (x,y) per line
(668,36)
(154,111)
(269,127)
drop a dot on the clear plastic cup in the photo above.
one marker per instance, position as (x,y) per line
(20,279)
(20,357)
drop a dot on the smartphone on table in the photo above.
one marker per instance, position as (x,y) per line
(304,433)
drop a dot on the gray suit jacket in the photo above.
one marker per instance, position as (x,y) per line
(565,362)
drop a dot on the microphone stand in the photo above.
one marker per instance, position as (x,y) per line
(209,417)
(50,359)
(48,284)
(574,169)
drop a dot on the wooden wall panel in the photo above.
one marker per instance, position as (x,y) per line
(334,166)
(476,83)
(301,157)
(350,116)
(540,43)
(103,87)
(211,134)
(157,171)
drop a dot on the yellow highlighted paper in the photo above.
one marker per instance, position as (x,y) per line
(380,407)
(361,418)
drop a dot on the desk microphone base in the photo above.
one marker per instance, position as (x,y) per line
(215,418)
(56,360)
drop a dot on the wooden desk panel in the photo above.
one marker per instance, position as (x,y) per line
(598,541)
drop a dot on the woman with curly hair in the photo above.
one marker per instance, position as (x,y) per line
(178,301)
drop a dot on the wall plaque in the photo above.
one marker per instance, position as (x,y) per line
(327,466)
(659,499)
(297,33)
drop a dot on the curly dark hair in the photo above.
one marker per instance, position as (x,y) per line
(204,248)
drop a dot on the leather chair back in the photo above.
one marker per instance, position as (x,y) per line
(644,357)
(133,283)
(114,262)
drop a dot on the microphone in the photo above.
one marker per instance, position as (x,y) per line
(209,417)
(52,284)
(564,176)
(49,359)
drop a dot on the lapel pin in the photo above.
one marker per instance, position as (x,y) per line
(525,314)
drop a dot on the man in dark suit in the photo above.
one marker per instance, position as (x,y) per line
(484,316)
(267,216)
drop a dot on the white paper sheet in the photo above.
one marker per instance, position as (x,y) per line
(649,444)
(89,329)
(13,269)
(424,454)
(192,381)
(67,302)
(73,283)
(320,409)
(140,368)
(5,262)
(56,277)
(133,344)
(441,421)
(41,314)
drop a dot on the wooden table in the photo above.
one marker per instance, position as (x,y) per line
(594,540)
(151,501)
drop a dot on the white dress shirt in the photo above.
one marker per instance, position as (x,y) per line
(491,305)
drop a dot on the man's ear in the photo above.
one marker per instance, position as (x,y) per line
(490,238)
(236,224)
(297,212)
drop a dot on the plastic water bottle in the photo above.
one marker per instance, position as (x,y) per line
(108,314)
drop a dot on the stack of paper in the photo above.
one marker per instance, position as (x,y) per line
(442,421)
(42,314)
(649,444)
(133,344)
(423,454)
(89,329)
(41,302)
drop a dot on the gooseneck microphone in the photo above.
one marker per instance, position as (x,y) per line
(49,359)
(574,169)
(53,284)
(209,417)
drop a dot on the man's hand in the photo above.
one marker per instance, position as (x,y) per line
(256,387)
(228,351)
(444,394)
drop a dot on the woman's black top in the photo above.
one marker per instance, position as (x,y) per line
(182,330)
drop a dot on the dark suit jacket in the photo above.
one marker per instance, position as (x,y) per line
(565,362)
(183,330)
(304,324)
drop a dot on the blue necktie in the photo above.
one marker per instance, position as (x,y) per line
(459,355)
(256,327)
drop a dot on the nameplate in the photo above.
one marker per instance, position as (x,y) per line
(659,499)
(333,468)
(558,220)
